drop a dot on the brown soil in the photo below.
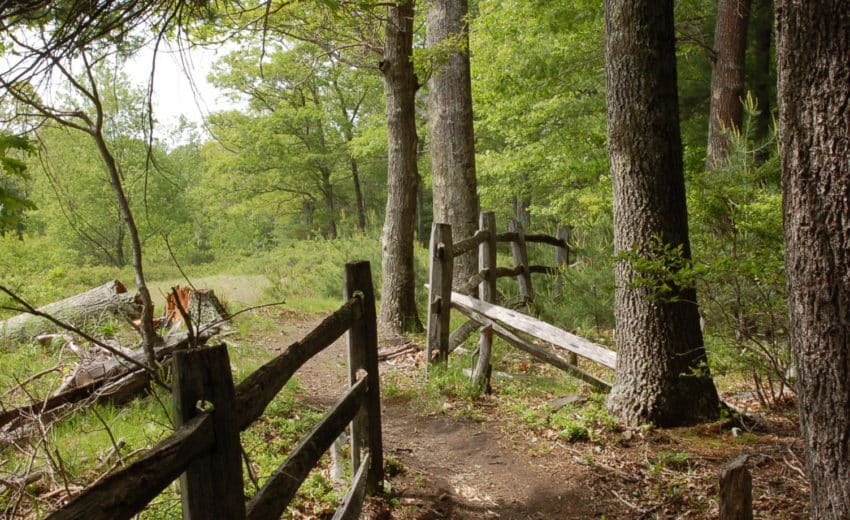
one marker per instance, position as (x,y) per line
(496,467)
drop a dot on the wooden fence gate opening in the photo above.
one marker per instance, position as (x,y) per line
(205,452)
(491,318)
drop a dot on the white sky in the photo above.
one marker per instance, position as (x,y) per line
(176,72)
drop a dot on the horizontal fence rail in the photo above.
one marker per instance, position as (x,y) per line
(205,447)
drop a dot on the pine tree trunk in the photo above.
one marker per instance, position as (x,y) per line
(762,29)
(727,78)
(398,303)
(661,375)
(813,51)
(450,121)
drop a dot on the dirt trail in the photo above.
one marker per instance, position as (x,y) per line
(454,467)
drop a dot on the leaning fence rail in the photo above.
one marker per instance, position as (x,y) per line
(483,311)
(205,452)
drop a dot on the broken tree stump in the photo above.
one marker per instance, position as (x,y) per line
(736,491)
(110,298)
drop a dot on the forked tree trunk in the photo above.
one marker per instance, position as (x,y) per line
(727,78)
(450,119)
(661,375)
(398,303)
(813,50)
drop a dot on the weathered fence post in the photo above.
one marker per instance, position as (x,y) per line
(562,260)
(487,287)
(211,487)
(439,293)
(519,249)
(363,355)
(736,491)
(481,374)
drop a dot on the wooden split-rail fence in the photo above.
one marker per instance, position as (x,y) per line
(484,311)
(205,452)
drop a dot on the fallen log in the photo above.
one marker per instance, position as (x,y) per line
(110,298)
(119,381)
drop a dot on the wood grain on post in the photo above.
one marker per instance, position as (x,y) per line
(211,487)
(487,257)
(481,374)
(486,290)
(736,491)
(519,250)
(562,260)
(363,355)
(439,293)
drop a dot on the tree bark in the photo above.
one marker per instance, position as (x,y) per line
(813,50)
(762,75)
(661,375)
(450,120)
(398,303)
(358,194)
(727,78)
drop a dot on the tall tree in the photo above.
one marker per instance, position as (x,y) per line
(727,77)
(813,46)
(398,302)
(661,374)
(762,75)
(450,122)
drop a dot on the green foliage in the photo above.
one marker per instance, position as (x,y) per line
(13,170)
(737,211)
(661,269)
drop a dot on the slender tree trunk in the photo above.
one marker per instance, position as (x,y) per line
(398,302)
(727,77)
(762,29)
(813,50)
(358,194)
(150,339)
(120,259)
(661,375)
(452,138)
(327,190)
(308,209)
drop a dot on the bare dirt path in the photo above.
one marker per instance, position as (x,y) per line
(452,467)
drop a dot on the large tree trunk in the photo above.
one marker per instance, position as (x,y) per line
(450,121)
(727,78)
(661,375)
(398,303)
(110,298)
(813,49)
